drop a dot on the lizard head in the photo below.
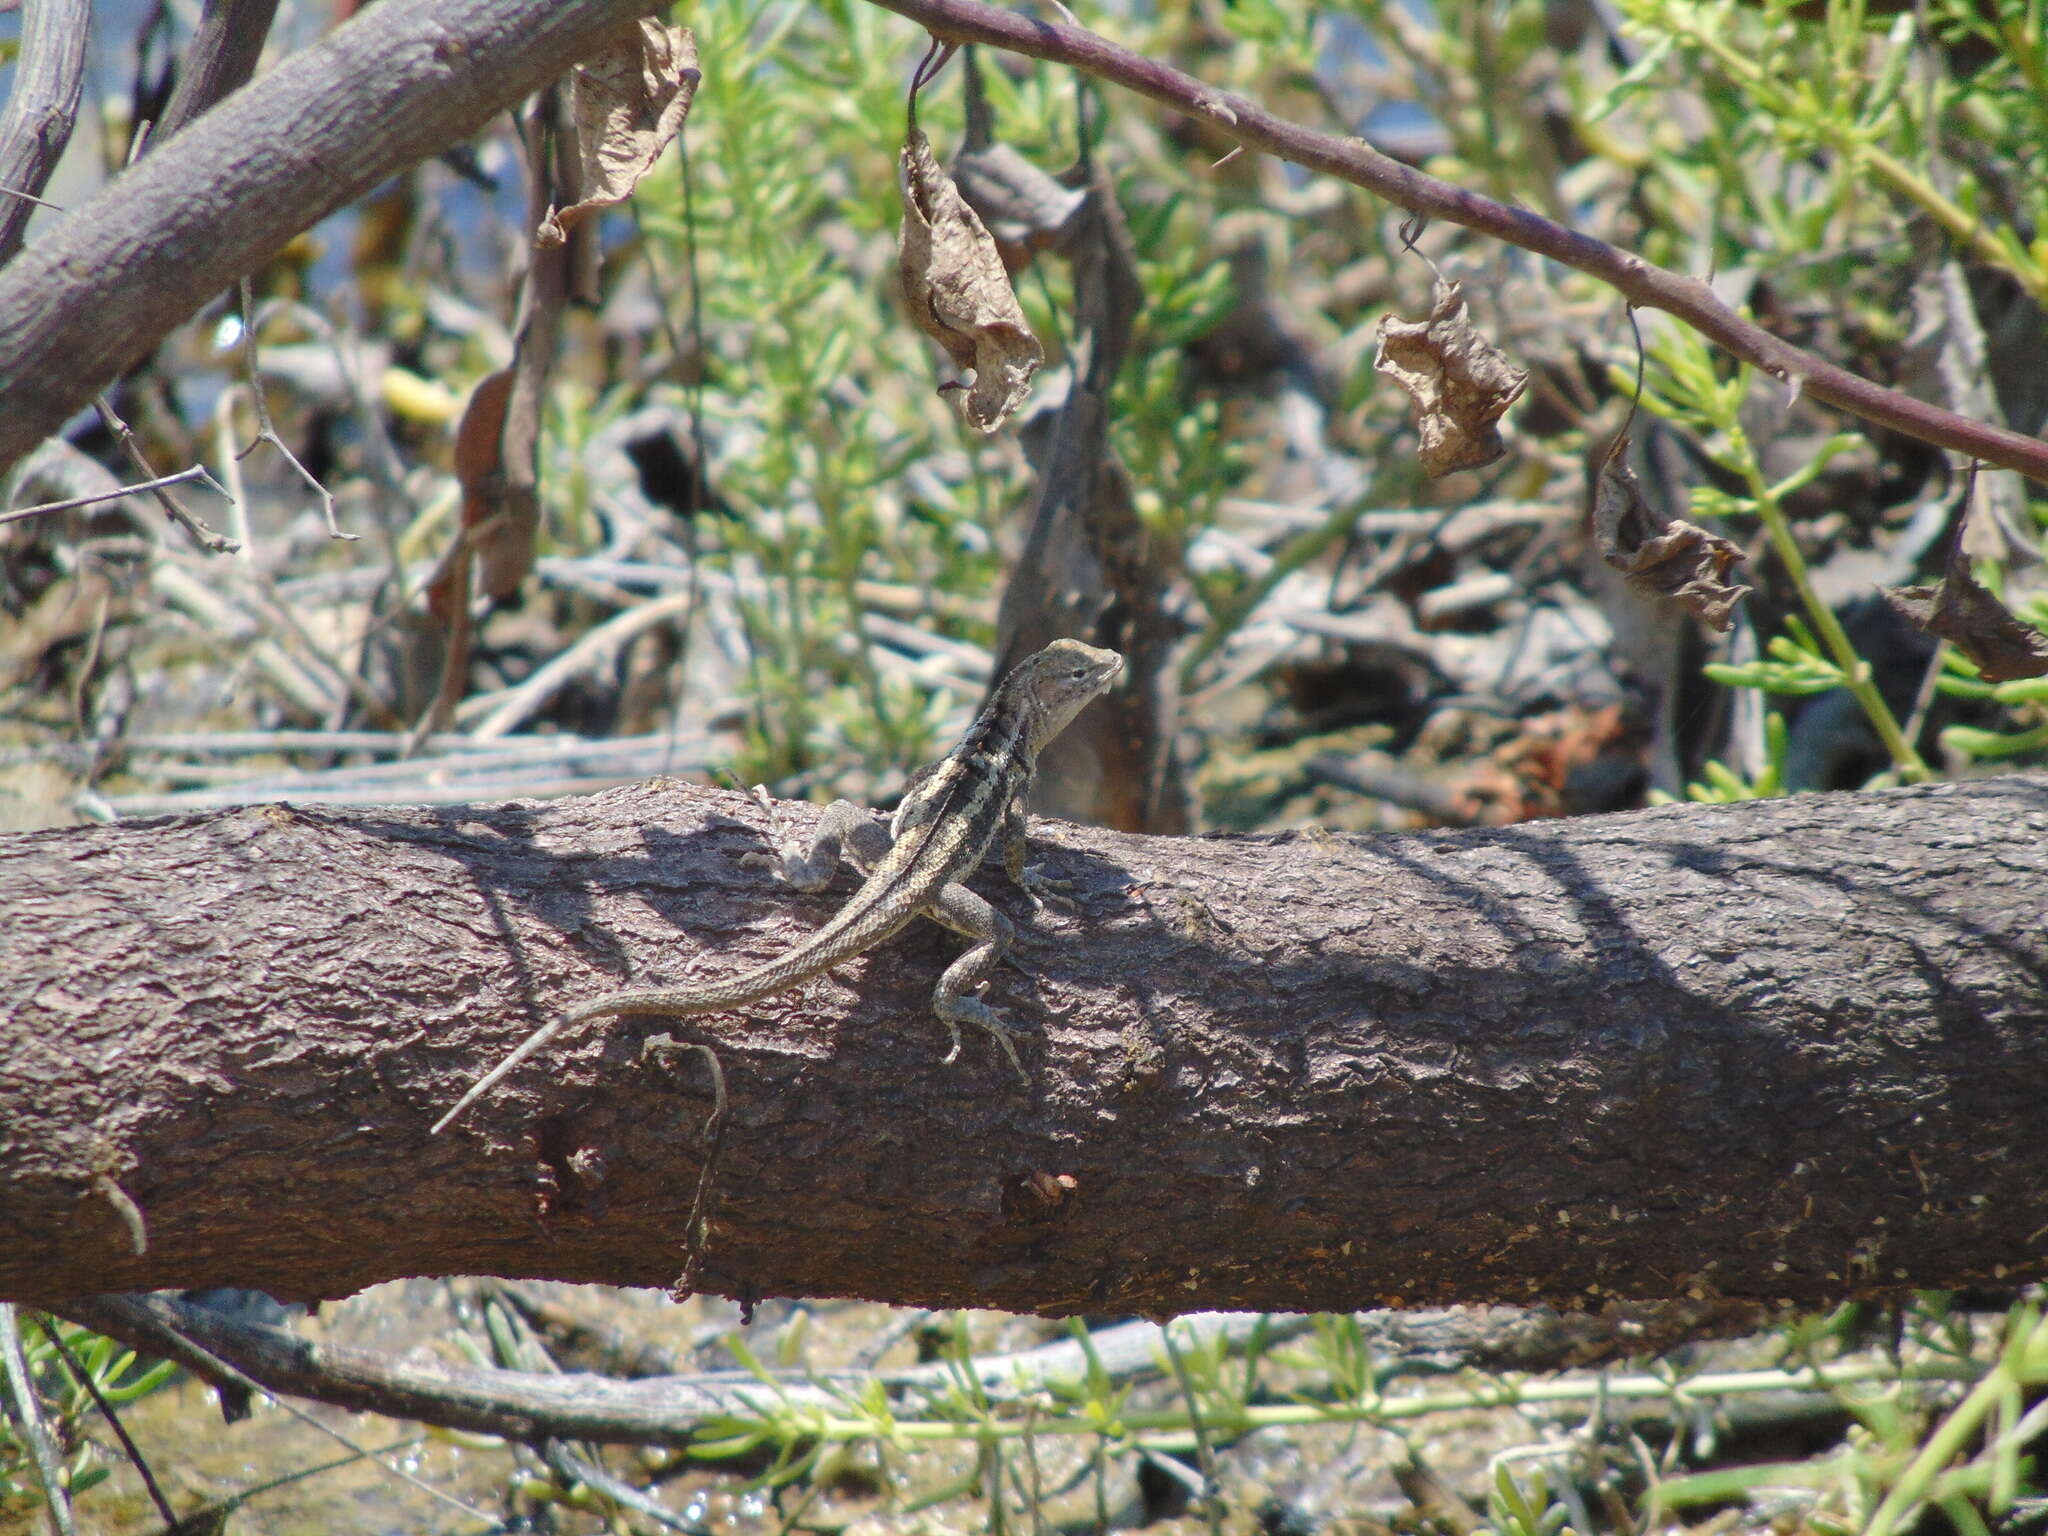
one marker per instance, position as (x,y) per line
(1055,684)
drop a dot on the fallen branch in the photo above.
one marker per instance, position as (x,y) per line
(1787,1049)
(678,1409)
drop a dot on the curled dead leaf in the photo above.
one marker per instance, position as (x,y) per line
(1461,382)
(480,471)
(1960,610)
(628,102)
(958,292)
(1662,556)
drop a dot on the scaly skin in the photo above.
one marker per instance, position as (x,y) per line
(943,830)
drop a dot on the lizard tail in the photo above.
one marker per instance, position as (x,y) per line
(852,931)
(497,1074)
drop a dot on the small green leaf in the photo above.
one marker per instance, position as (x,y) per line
(1632,83)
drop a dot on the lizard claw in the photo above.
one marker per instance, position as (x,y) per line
(787,849)
(1045,891)
(955,1011)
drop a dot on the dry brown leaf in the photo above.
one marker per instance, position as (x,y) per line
(628,102)
(1461,382)
(1960,610)
(480,471)
(958,292)
(1660,556)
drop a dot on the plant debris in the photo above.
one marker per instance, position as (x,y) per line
(1461,383)
(1661,556)
(1960,610)
(628,103)
(959,293)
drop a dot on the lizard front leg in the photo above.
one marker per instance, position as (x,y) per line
(1029,878)
(966,913)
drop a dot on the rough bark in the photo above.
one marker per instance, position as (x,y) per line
(1790,1049)
(49,76)
(400,81)
(222,57)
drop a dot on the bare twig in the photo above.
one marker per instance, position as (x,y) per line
(266,430)
(220,58)
(136,1459)
(673,1409)
(1354,160)
(196,472)
(451,578)
(567,1465)
(504,713)
(29,197)
(28,1412)
(537,768)
(174,509)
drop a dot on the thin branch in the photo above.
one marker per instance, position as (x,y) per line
(220,59)
(196,472)
(1356,161)
(674,1409)
(506,712)
(49,78)
(30,197)
(136,1459)
(174,509)
(21,1390)
(572,1468)
(266,430)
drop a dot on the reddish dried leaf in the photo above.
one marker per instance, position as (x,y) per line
(628,103)
(1960,610)
(1461,382)
(480,471)
(958,292)
(1660,556)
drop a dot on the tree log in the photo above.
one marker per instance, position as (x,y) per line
(1790,1049)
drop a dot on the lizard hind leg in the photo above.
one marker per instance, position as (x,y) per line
(846,831)
(966,913)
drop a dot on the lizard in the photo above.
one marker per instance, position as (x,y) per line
(953,816)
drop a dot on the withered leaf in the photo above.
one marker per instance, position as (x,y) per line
(958,292)
(1662,556)
(480,471)
(1461,382)
(628,102)
(1960,610)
